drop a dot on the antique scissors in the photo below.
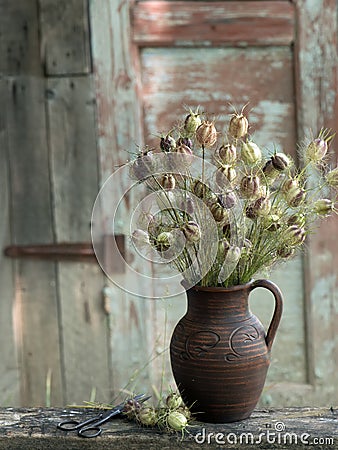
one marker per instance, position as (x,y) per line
(92,427)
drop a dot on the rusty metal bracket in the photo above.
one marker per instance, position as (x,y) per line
(77,251)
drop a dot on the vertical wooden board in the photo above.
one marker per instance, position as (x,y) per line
(119,133)
(220,79)
(19,44)
(317,69)
(75,185)
(35,303)
(65,36)
(9,373)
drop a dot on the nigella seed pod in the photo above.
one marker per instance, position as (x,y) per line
(250,153)
(206,134)
(183,149)
(186,154)
(192,122)
(272,222)
(227,154)
(296,199)
(131,408)
(263,206)
(250,186)
(238,126)
(167,143)
(200,189)
(293,194)
(219,213)
(177,421)
(280,161)
(297,219)
(163,241)
(284,251)
(147,416)
(227,200)
(251,212)
(185,411)
(270,172)
(225,175)
(316,150)
(294,235)
(174,400)
(290,187)
(332,178)
(143,166)
(167,181)
(259,208)
(192,232)
(323,207)
(185,141)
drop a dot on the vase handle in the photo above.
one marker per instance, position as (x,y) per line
(277,314)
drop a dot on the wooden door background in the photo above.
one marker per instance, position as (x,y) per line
(82,82)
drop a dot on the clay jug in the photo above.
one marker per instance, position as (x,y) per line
(220,352)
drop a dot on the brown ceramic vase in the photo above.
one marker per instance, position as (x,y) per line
(220,352)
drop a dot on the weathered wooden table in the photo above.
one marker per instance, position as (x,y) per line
(301,428)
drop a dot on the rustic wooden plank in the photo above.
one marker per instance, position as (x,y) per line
(35,302)
(289,428)
(75,185)
(219,79)
(157,23)
(9,371)
(65,36)
(119,133)
(19,44)
(317,83)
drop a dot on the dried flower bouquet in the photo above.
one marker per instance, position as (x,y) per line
(225,210)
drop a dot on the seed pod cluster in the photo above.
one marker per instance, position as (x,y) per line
(171,415)
(247,194)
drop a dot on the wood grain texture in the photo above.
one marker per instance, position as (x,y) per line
(65,37)
(19,43)
(157,23)
(74,177)
(9,371)
(317,71)
(220,79)
(119,133)
(36,428)
(35,303)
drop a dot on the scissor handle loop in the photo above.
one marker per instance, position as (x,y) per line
(83,432)
(69,425)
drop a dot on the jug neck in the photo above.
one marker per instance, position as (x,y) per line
(225,304)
